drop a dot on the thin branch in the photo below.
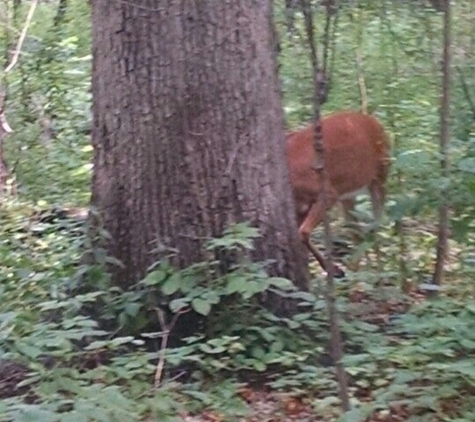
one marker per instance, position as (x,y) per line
(443,230)
(166,330)
(333,44)
(466,91)
(359,63)
(328,35)
(319,168)
(361,82)
(4,126)
(22,37)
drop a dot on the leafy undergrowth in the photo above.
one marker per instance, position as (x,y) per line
(73,354)
(408,357)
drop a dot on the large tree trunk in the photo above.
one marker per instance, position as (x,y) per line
(188,132)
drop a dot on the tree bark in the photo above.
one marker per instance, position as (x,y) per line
(443,231)
(188,133)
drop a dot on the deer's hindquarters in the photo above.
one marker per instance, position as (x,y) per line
(356,157)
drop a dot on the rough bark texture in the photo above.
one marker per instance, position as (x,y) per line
(188,132)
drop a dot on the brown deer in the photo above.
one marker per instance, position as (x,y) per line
(356,157)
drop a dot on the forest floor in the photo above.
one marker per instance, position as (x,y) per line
(266,405)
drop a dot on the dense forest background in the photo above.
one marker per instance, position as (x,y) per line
(81,354)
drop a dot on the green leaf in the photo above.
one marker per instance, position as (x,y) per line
(305,296)
(364,326)
(201,306)
(238,236)
(281,283)
(132,308)
(258,352)
(154,278)
(259,365)
(75,417)
(207,348)
(36,414)
(237,284)
(467,165)
(470,307)
(357,414)
(172,284)
(212,297)
(177,304)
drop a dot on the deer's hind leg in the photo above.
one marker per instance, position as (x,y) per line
(315,216)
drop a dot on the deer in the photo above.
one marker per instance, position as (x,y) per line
(356,149)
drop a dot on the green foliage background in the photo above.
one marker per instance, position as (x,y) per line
(423,359)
